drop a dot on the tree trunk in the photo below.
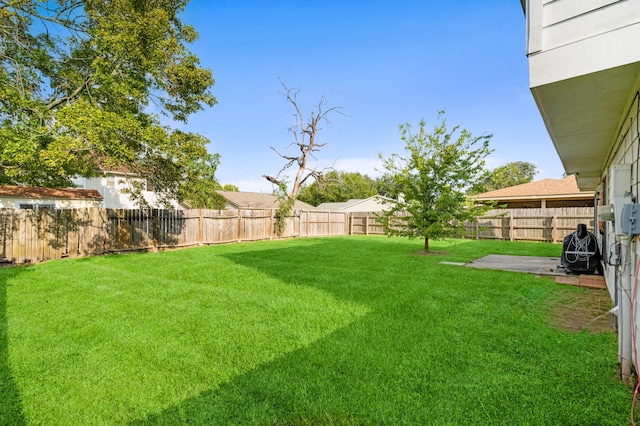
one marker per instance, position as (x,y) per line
(426,245)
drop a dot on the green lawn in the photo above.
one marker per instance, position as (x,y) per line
(342,331)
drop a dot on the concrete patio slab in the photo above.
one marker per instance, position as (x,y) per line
(534,265)
(547,266)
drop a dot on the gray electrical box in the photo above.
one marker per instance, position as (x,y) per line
(631,219)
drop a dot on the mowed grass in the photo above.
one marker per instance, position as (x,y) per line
(342,331)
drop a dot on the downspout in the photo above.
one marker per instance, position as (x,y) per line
(624,310)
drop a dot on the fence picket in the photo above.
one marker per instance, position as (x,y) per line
(34,236)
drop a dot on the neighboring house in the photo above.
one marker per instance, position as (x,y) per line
(111,185)
(371,204)
(584,74)
(256,200)
(545,193)
(34,198)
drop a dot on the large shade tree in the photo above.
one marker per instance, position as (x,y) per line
(83,84)
(337,186)
(200,187)
(510,174)
(434,176)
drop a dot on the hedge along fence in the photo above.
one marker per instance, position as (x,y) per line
(37,235)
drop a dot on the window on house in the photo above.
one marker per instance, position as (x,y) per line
(149,185)
(37,206)
(111,181)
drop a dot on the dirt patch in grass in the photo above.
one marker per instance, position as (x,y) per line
(429,253)
(585,310)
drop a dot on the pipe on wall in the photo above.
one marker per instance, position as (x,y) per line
(624,310)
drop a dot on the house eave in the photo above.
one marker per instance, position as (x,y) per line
(568,197)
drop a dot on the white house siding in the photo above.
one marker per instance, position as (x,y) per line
(566,38)
(625,152)
(15,202)
(584,74)
(372,204)
(110,186)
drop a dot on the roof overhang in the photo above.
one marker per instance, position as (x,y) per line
(582,196)
(583,117)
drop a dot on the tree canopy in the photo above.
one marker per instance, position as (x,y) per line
(510,174)
(337,186)
(83,84)
(200,186)
(434,176)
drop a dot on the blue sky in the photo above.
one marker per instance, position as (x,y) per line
(383,62)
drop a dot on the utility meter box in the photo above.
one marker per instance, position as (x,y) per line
(620,193)
(631,219)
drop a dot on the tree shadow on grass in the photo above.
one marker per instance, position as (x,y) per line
(388,367)
(339,379)
(290,390)
(293,389)
(10,403)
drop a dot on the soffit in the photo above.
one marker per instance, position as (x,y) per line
(582,116)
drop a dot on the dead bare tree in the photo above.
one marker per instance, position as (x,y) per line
(305,133)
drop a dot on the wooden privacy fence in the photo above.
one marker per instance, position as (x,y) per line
(365,223)
(550,224)
(38,235)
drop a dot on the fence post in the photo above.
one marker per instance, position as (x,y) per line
(272,220)
(240,225)
(477,229)
(154,238)
(328,223)
(512,236)
(200,227)
(349,217)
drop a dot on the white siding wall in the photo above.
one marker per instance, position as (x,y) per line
(556,23)
(14,203)
(569,21)
(111,186)
(626,150)
(368,205)
(567,38)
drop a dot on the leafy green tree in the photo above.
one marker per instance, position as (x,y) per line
(78,80)
(386,186)
(230,187)
(338,186)
(434,176)
(200,187)
(510,174)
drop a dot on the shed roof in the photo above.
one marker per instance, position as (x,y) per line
(40,192)
(257,200)
(350,203)
(566,188)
